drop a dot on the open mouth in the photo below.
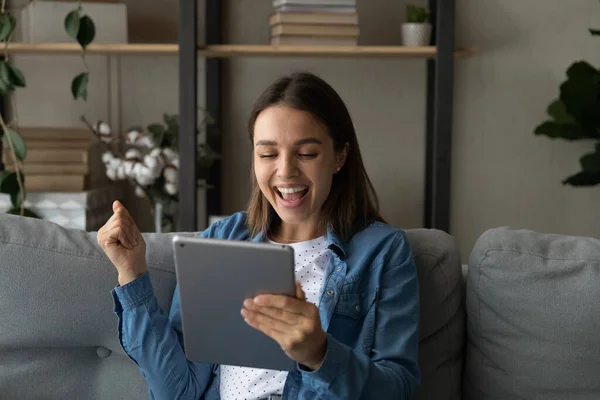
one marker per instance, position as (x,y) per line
(292,194)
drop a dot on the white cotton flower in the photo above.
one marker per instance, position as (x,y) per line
(111,173)
(139,192)
(137,170)
(128,167)
(114,163)
(146,141)
(175,162)
(103,131)
(156,152)
(121,172)
(144,176)
(132,136)
(154,165)
(107,156)
(170,174)
(169,153)
(133,154)
(171,188)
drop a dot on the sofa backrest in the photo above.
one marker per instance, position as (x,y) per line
(533,302)
(58,337)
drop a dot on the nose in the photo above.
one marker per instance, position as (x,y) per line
(287,167)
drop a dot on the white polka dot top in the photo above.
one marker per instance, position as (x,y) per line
(311,258)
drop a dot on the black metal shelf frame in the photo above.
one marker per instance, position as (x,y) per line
(439,109)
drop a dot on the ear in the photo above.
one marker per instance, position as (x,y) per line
(341,157)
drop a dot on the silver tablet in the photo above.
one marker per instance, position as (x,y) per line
(215,277)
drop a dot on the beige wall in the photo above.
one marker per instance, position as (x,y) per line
(502,174)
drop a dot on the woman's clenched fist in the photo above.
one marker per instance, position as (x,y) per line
(124,245)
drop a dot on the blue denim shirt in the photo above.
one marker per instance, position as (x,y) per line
(369,308)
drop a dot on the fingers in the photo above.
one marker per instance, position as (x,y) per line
(287,303)
(120,228)
(269,326)
(299,292)
(289,318)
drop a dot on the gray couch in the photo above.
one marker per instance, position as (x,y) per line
(525,325)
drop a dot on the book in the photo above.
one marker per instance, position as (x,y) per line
(34,133)
(52,156)
(56,183)
(315,3)
(52,169)
(305,29)
(308,8)
(313,18)
(296,40)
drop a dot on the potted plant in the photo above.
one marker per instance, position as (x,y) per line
(416,31)
(575,115)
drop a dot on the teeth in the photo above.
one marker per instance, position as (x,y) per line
(291,190)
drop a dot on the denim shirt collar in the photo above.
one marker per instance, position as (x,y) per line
(336,244)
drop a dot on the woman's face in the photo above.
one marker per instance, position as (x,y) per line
(294,163)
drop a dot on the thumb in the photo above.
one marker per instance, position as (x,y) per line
(299,292)
(116,205)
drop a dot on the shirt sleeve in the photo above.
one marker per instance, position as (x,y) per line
(392,365)
(154,342)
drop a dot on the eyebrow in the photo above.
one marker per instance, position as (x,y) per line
(297,142)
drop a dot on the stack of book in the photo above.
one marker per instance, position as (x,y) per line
(314,22)
(56,161)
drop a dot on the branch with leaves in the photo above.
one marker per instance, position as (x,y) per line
(80,27)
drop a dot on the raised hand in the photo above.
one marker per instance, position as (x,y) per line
(124,245)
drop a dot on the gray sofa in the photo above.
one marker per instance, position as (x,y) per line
(524,324)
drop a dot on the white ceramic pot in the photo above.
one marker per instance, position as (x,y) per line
(415,35)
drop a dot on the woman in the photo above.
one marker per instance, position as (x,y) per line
(353,328)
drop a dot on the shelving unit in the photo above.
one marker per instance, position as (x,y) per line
(227,51)
(439,60)
(439,105)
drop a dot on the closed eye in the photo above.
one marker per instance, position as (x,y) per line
(267,156)
(308,155)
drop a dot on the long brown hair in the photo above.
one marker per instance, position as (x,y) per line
(352,203)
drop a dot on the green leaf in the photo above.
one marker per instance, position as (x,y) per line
(9,183)
(558,111)
(591,162)
(583,179)
(158,133)
(416,14)
(595,32)
(563,131)
(18,143)
(27,212)
(16,76)
(87,31)
(16,198)
(581,96)
(6,85)
(79,86)
(72,22)
(7,26)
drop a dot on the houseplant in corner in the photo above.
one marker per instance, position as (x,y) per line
(416,31)
(575,115)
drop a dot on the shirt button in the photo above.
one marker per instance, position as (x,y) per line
(338,269)
(357,308)
(330,292)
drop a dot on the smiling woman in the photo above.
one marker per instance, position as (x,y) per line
(352,327)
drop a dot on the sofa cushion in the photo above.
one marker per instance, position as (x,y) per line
(442,324)
(533,315)
(58,337)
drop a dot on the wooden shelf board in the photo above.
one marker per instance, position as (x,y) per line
(226,51)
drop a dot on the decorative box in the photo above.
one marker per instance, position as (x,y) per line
(44,21)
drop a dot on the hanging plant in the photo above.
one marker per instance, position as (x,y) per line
(80,27)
